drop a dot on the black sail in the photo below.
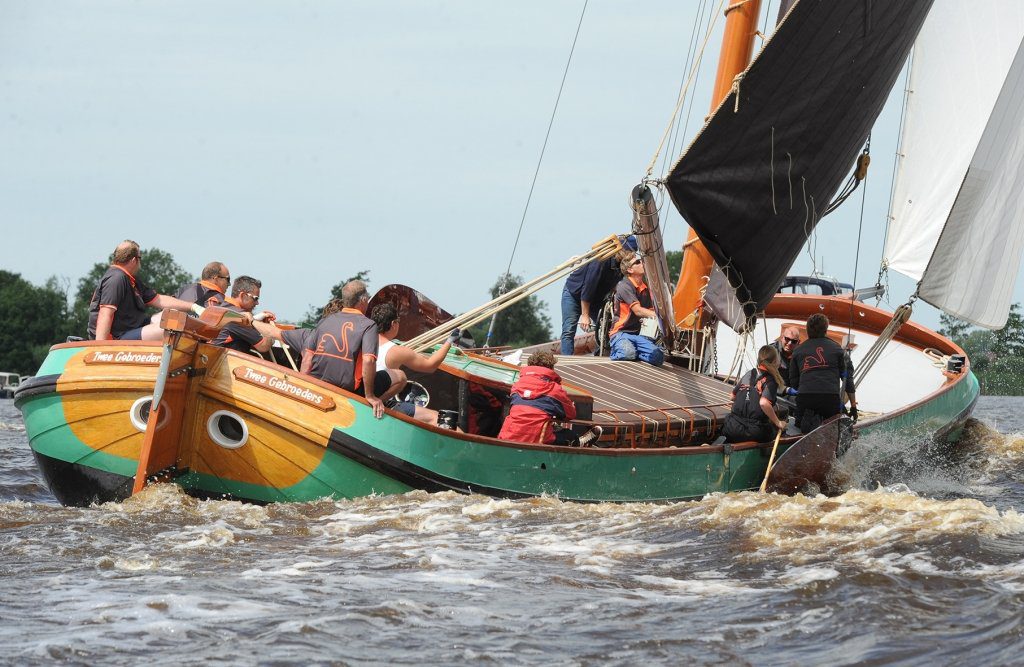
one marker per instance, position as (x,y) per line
(757,178)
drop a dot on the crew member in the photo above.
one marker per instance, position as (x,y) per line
(817,370)
(585,292)
(212,288)
(245,295)
(753,415)
(632,302)
(117,309)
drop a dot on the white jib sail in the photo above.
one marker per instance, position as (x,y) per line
(974,266)
(960,61)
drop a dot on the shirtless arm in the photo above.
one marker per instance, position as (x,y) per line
(399,356)
(369,370)
(164,301)
(104,320)
(769,410)
(269,332)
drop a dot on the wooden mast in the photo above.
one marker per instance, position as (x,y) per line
(737,47)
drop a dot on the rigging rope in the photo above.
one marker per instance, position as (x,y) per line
(861,175)
(883,268)
(604,249)
(540,159)
(690,53)
(899,318)
(682,96)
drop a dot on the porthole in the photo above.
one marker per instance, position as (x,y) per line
(139,414)
(227,429)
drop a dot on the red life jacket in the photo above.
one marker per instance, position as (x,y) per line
(538,398)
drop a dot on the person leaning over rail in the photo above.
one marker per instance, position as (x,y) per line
(245,296)
(212,288)
(392,355)
(344,351)
(817,369)
(753,415)
(117,309)
(585,292)
(538,399)
(632,302)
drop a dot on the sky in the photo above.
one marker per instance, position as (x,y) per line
(302,142)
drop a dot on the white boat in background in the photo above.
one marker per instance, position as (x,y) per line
(9,384)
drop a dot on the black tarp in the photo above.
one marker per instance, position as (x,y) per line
(755,181)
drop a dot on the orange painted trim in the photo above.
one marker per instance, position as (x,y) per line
(737,48)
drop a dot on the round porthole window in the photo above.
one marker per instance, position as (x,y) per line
(139,414)
(227,429)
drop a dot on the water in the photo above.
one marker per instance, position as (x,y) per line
(925,570)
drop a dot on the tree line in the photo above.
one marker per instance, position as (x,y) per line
(997,357)
(35,317)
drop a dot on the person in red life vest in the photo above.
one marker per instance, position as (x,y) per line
(817,370)
(212,288)
(117,309)
(538,399)
(754,415)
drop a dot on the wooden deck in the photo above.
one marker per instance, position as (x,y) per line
(640,405)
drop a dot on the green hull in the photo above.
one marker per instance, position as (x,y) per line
(395,455)
(436,461)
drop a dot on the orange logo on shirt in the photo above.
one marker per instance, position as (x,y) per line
(328,345)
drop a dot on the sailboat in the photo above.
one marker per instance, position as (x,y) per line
(104,419)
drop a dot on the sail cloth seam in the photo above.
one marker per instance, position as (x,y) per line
(540,160)
(682,94)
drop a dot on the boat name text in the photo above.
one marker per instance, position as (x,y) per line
(284,387)
(124,357)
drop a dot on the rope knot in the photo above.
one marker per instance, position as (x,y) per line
(736,90)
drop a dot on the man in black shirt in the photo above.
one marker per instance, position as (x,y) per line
(212,287)
(117,309)
(245,294)
(816,370)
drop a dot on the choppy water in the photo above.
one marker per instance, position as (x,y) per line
(928,569)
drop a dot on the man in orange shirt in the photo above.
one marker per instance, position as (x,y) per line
(632,302)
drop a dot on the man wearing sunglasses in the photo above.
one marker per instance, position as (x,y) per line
(212,288)
(785,345)
(245,295)
(632,302)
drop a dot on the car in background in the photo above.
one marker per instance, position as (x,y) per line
(8,384)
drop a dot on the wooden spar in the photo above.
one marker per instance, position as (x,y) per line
(737,47)
(602,250)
